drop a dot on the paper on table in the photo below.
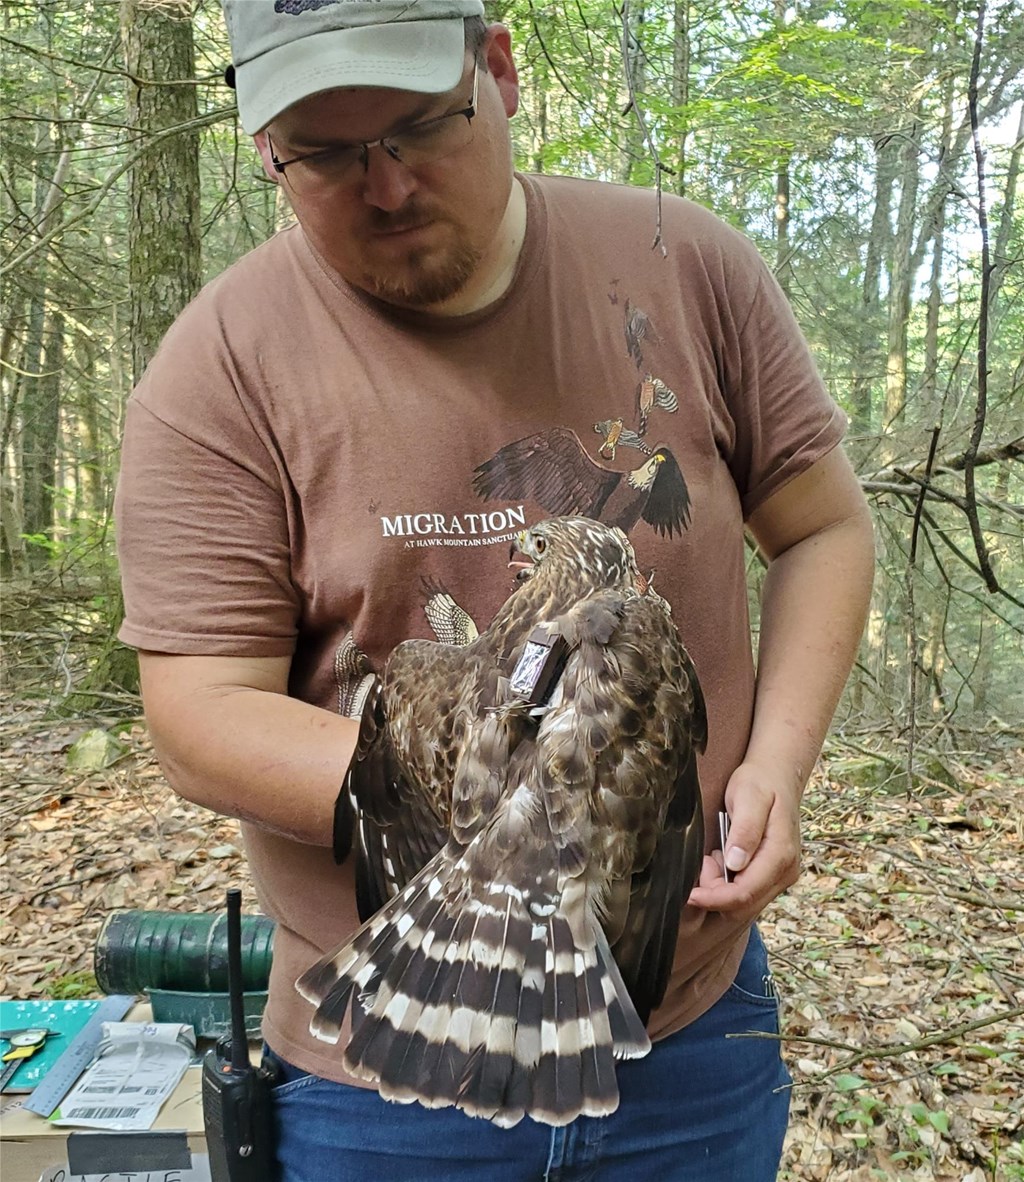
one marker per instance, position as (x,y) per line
(139,1064)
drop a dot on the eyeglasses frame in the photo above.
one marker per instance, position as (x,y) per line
(365,146)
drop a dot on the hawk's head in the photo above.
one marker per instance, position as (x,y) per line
(589,553)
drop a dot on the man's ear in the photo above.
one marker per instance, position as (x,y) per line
(263,147)
(500,64)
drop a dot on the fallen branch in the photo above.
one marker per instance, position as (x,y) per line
(71,882)
(995,902)
(886,1050)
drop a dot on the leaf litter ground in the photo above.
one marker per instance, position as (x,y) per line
(899,956)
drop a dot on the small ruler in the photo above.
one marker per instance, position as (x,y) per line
(57,1082)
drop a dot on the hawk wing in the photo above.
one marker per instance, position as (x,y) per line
(411,735)
(667,507)
(659,889)
(451,623)
(637,721)
(551,468)
(398,828)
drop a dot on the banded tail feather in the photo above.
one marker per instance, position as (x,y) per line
(462,997)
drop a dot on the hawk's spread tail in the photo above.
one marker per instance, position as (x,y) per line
(465,995)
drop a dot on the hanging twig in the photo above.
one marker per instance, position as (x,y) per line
(659,166)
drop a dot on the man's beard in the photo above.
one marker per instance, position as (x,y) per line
(426,276)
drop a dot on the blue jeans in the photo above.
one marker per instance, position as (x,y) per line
(699,1108)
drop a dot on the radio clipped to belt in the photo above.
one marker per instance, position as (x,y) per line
(236,1095)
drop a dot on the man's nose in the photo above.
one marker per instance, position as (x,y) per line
(387,183)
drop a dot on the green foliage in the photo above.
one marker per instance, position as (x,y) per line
(74,986)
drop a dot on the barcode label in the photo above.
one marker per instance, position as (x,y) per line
(100,1113)
(102,1089)
(144,1091)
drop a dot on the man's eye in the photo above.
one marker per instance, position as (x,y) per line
(335,158)
(421,132)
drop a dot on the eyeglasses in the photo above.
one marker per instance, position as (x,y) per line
(419,143)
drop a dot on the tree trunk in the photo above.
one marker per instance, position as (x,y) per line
(867,362)
(90,484)
(900,279)
(40,415)
(1001,255)
(542,123)
(163,232)
(930,402)
(681,87)
(988,634)
(164,264)
(38,389)
(634,149)
(783,263)
(13,554)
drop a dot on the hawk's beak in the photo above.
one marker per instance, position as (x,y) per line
(518,561)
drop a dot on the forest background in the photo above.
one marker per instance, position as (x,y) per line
(873,152)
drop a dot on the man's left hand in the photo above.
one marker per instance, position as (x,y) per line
(763,849)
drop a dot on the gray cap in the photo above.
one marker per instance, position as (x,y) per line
(286,50)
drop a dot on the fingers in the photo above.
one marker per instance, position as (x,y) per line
(763,847)
(749,804)
(745,897)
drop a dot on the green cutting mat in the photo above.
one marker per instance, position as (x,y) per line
(68,1017)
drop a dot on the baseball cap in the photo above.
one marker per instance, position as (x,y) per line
(286,50)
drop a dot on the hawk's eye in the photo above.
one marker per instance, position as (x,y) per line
(541,545)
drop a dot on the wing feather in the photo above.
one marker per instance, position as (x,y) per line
(552,468)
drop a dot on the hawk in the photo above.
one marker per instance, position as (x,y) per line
(554,469)
(616,435)
(637,327)
(529,845)
(652,392)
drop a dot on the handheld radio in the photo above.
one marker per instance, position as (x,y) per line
(236,1095)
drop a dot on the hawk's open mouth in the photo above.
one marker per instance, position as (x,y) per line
(520,563)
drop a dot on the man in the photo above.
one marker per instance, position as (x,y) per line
(330,452)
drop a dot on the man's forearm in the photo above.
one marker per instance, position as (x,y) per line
(247,750)
(816,531)
(813,610)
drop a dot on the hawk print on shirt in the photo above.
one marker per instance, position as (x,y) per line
(554,469)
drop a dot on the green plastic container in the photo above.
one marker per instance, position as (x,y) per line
(209,1014)
(138,951)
